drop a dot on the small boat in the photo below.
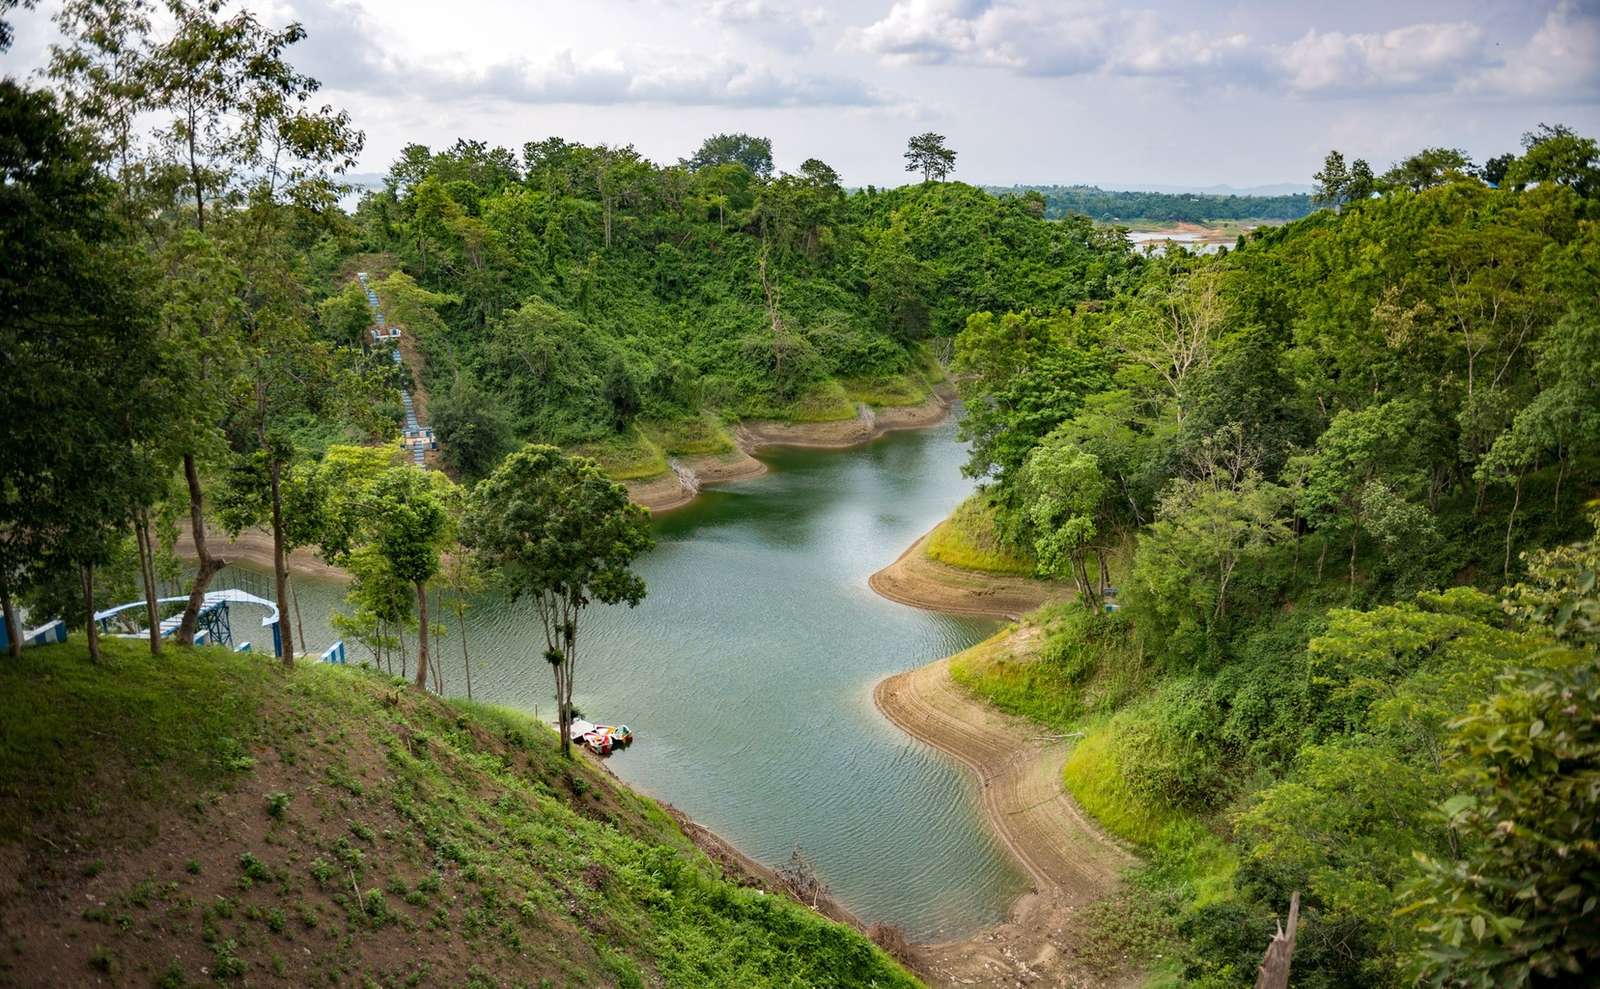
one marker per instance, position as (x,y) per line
(601,739)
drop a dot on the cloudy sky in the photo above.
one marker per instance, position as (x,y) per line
(1148,92)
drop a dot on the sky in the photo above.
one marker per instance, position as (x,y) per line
(1138,94)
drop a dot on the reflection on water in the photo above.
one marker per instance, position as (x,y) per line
(747,673)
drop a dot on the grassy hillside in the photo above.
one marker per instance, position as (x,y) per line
(208,816)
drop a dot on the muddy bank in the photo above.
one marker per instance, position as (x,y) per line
(867,426)
(679,486)
(920,582)
(254,547)
(1069,861)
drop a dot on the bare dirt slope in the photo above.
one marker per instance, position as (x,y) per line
(1069,861)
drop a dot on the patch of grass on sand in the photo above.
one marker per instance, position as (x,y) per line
(1067,668)
(892,390)
(427,842)
(827,401)
(968,540)
(627,456)
(1184,854)
(690,437)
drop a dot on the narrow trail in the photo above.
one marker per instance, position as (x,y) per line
(1068,860)
(417,437)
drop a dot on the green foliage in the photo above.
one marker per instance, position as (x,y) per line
(473,428)
(1113,206)
(928,154)
(969,539)
(498,840)
(554,528)
(752,153)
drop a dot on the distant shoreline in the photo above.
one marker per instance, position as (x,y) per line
(657,494)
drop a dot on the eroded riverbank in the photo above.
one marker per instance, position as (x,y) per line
(1069,861)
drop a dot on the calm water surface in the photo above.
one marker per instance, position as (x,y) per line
(747,677)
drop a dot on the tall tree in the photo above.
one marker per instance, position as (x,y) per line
(237,120)
(754,153)
(77,332)
(927,153)
(409,523)
(553,528)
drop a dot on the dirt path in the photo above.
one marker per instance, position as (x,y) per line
(915,580)
(1069,861)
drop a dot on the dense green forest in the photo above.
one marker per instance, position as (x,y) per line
(574,290)
(1110,206)
(1342,479)
(1328,498)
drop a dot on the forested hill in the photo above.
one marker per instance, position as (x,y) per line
(1346,479)
(1165,207)
(566,292)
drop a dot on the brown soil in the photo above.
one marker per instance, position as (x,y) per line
(254,546)
(920,582)
(665,492)
(864,428)
(1070,863)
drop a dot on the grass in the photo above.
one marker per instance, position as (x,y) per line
(627,456)
(690,437)
(1183,852)
(826,402)
(1018,684)
(895,389)
(967,539)
(1070,670)
(426,842)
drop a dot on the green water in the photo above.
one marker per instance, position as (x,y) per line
(747,677)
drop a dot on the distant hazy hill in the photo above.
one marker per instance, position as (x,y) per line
(1193,207)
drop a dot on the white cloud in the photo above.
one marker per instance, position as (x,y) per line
(1418,57)
(1562,58)
(347,50)
(781,26)
(1031,37)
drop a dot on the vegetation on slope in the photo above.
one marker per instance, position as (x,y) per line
(1337,458)
(581,289)
(211,816)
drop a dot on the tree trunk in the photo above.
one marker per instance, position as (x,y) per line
(466,662)
(563,719)
(280,564)
(1511,522)
(14,627)
(194,174)
(294,596)
(422,635)
(147,573)
(91,628)
(206,565)
(1355,534)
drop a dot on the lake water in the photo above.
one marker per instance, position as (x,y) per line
(747,677)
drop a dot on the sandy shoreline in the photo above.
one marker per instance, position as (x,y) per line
(914,579)
(1069,861)
(675,489)
(657,494)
